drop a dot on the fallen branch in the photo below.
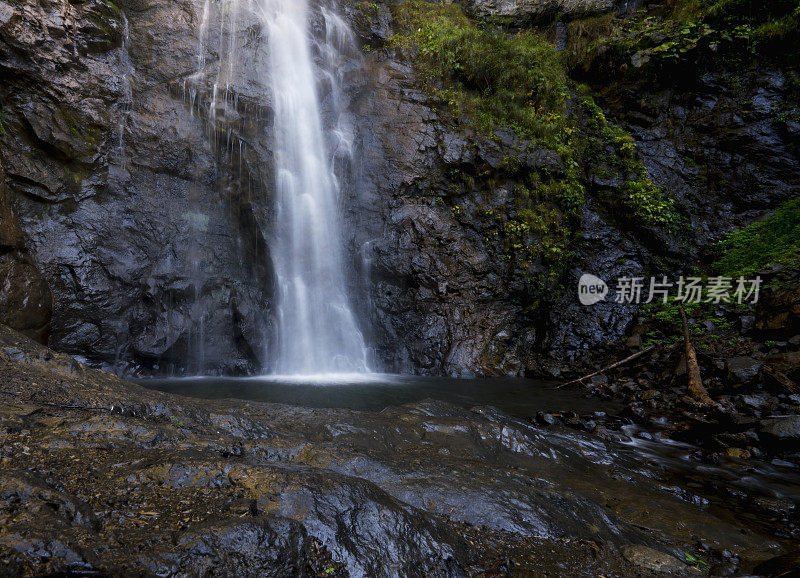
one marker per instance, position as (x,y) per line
(695,381)
(608,367)
(782,379)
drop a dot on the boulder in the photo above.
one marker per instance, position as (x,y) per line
(786,363)
(653,560)
(530,11)
(783,429)
(778,309)
(742,369)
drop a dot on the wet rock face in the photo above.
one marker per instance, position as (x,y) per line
(531,11)
(25,299)
(443,301)
(438,300)
(715,141)
(148,218)
(140,228)
(150,222)
(268,546)
(443,298)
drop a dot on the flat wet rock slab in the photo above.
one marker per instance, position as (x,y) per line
(97,474)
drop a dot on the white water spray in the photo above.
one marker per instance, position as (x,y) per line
(317,331)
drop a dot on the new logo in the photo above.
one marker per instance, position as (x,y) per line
(591,289)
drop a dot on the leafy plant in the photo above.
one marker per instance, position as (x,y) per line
(650,204)
(734,28)
(614,151)
(774,240)
(696,561)
(495,78)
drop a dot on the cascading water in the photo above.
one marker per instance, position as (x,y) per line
(317,330)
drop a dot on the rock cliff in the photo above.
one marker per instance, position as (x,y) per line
(137,201)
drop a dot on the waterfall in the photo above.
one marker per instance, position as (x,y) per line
(316,328)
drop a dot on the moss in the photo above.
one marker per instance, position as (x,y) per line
(368,15)
(107,17)
(495,78)
(511,164)
(71,121)
(89,134)
(614,152)
(582,35)
(738,29)
(772,241)
(367,9)
(491,80)
(781,30)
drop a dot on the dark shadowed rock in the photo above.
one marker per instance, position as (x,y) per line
(786,565)
(527,11)
(784,429)
(138,223)
(25,298)
(778,309)
(742,369)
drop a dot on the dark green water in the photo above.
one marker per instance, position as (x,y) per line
(374,392)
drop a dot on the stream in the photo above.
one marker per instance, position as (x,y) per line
(734,491)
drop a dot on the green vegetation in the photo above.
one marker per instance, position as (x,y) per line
(494,80)
(732,28)
(72,122)
(772,241)
(90,134)
(614,152)
(107,17)
(696,561)
(750,20)
(666,318)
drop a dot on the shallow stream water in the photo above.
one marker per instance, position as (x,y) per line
(739,492)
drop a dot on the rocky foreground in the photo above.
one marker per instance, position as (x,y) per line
(100,476)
